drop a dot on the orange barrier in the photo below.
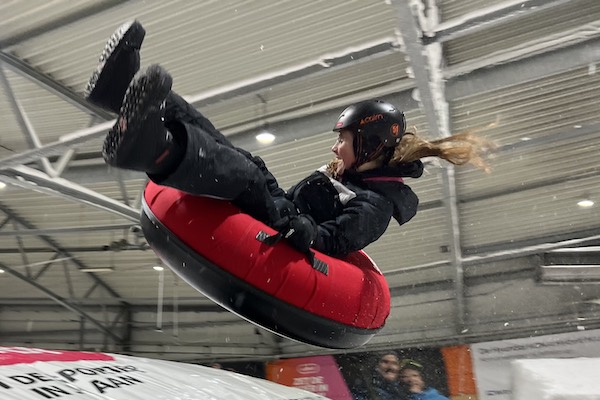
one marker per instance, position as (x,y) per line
(459,370)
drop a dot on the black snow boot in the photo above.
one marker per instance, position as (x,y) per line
(119,62)
(139,139)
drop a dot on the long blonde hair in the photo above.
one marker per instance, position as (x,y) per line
(459,149)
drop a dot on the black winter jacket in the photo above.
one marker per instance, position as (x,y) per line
(357,212)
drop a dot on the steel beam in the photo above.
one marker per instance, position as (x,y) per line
(63,302)
(426,66)
(66,230)
(27,71)
(58,147)
(426,72)
(56,247)
(22,252)
(21,116)
(30,178)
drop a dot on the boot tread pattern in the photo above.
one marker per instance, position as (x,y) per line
(144,96)
(109,48)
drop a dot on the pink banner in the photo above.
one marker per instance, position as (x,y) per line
(318,374)
(24,355)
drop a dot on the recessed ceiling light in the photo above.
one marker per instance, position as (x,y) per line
(525,139)
(585,203)
(158,268)
(265,138)
(97,269)
(1,271)
(2,185)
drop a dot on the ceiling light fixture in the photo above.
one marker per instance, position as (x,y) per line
(2,185)
(158,268)
(97,269)
(566,274)
(265,138)
(585,203)
(582,249)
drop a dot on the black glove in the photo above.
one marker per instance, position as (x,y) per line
(285,207)
(299,230)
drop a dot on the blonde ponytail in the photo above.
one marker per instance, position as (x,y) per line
(458,149)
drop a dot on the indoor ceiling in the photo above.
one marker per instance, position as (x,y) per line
(465,269)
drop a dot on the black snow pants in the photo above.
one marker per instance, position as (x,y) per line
(213,167)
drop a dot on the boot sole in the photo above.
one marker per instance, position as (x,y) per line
(131,34)
(144,97)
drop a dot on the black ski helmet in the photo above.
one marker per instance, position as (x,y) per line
(377,125)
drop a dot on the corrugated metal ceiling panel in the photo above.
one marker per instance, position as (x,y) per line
(534,164)
(382,75)
(49,115)
(19,16)
(419,241)
(548,129)
(138,282)
(42,211)
(132,278)
(567,18)
(533,110)
(531,214)
(254,38)
(272,45)
(556,115)
(450,9)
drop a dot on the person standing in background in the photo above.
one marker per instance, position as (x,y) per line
(384,383)
(411,378)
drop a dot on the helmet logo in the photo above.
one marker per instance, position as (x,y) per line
(371,118)
(395,129)
(339,124)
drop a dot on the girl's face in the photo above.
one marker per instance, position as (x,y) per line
(344,149)
(412,379)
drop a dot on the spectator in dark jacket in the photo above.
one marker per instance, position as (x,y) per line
(384,382)
(340,208)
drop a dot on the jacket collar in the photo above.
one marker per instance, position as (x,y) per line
(403,170)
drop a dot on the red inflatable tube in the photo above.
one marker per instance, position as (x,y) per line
(218,250)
